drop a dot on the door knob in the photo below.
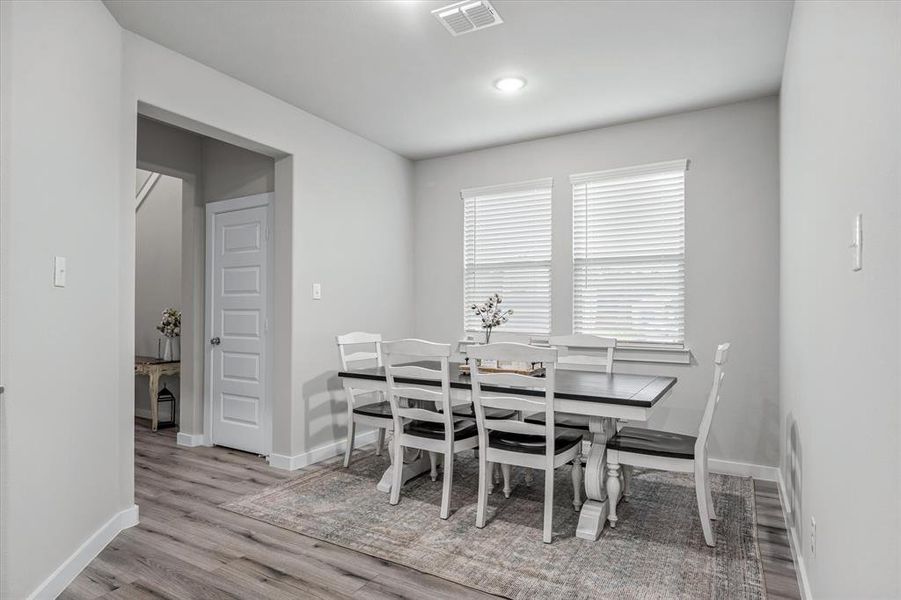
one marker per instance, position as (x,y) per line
(215,341)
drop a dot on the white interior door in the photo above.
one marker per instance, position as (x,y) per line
(237,267)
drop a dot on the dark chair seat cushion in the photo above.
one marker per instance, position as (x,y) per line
(653,442)
(566,420)
(381,410)
(467,412)
(462,429)
(532,444)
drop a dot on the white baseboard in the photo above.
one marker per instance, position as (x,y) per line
(60,579)
(800,568)
(190,440)
(299,461)
(728,467)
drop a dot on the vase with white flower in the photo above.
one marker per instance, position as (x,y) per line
(170,327)
(491,314)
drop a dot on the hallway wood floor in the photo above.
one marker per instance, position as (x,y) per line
(186,548)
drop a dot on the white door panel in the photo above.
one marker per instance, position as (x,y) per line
(237,312)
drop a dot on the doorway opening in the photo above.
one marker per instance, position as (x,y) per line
(202,326)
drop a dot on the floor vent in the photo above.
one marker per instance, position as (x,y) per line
(467,16)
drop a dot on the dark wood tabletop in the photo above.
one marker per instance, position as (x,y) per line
(611,388)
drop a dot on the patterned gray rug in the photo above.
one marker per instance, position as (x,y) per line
(656,551)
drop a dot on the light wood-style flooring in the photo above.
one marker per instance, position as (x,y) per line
(186,548)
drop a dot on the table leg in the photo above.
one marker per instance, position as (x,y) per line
(596,508)
(154,399)
(413,467)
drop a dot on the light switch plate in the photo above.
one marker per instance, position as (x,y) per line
(857,244)
(59,271)
(317,291)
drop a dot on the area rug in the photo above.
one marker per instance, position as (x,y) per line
(656,551)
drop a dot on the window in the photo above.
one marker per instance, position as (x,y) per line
(507,249)
(629,253)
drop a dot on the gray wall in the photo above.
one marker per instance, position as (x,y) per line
(157,274)
(60,76)
(840,330)
(731,252)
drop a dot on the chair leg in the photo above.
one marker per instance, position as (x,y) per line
(613,490)
(380,443)
(398,469)
(710,510)
(701,493)
(529,476)
(548,506)
(507,470)
(627,481)
(577,482)
(484,479)
(448,483)
(490,470)
(433,459)
(351,433)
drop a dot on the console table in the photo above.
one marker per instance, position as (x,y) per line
(154,368)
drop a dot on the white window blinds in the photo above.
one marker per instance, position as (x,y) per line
(507,249)
(629,253)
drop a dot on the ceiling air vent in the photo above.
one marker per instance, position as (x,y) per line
(467,16)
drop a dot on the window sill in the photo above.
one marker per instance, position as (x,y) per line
(650,354)
(629,353)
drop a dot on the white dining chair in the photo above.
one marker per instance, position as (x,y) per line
(653,449)
(363,406)
(581,352)
(435,431)
(516,443)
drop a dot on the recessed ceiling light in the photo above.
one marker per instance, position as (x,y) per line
(510,84)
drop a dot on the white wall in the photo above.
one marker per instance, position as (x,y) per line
(346,223)
(840,342)
(158,257)
(61,195)
(731,252)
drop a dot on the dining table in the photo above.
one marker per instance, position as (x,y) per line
(605,398)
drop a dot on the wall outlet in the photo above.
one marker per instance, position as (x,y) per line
(813,537)
(317,291)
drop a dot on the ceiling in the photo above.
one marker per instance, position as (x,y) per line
(390,72)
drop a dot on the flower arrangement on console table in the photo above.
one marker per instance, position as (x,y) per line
(492,316)
(170,327)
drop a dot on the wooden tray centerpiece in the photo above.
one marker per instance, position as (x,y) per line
(532,370)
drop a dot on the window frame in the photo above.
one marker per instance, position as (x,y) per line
(675,348)
(473,194)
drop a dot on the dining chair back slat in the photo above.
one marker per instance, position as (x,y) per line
(416,372)
(513,426)
(524,404)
